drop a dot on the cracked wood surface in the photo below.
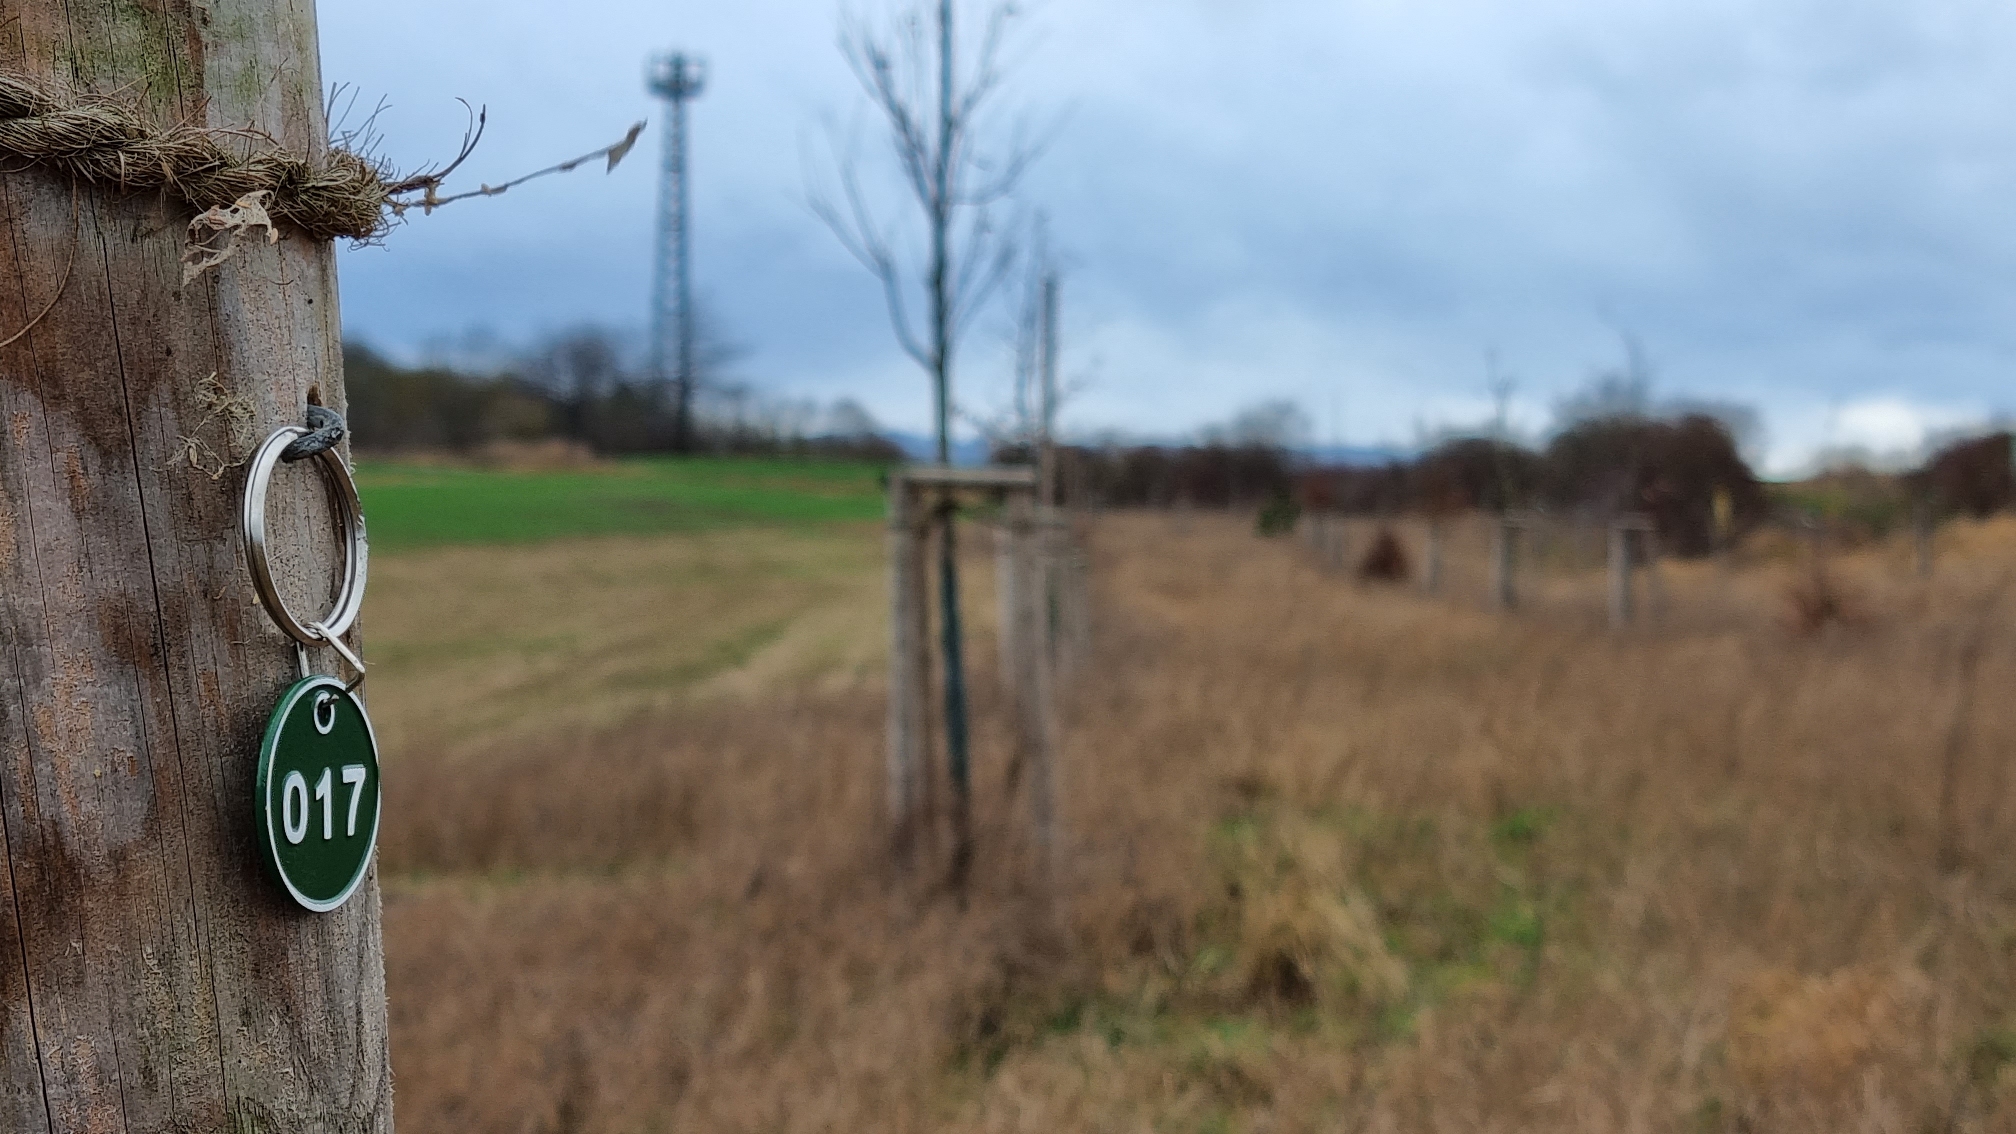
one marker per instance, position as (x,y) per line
(151,978)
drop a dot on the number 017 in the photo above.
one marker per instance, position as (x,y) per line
(295,806)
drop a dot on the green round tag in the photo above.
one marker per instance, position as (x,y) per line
(317,793)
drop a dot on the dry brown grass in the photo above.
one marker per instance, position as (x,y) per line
(1340,858)
(477,650)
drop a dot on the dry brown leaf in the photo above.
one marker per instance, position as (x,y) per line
(214,235)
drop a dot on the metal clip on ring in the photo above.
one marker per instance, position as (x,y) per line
(325,430)
(329,629)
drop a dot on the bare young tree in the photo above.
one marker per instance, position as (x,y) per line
(1038,397)
(1020,423)
(1033,339)
(943,126)
(938,96)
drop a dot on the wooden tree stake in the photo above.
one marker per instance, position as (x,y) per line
(1029,674)
(909,666)
(1620,574)
(1431,569)
(1504,562)
(1922,529)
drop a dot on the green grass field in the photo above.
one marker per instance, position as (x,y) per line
(413,506)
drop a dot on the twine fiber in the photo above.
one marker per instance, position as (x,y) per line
(105,142)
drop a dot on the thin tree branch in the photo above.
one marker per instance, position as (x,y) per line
(864,238)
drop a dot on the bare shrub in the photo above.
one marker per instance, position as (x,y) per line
(1386,560)
(1816,600)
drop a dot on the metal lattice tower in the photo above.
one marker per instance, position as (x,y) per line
(678,79)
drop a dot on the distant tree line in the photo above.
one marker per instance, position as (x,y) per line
(1968,477)
(1674,469)
(1208,475)
(581,387)
(1679,470)
(1240,463)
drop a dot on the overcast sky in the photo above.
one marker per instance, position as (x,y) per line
(1804,205)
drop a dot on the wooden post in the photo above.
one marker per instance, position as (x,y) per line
(909,666)
(1922,528)
(1431,567)
(1009,581)
(154,979)
(922,505)
(1722,517)
(1082,625)
(1503,563)
(1326,539)
(1057,563)
(1072,601)
(1029,678)
(1620,573)
(1652,566)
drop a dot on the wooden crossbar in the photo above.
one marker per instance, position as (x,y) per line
(944,476)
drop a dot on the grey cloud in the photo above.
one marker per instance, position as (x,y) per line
(1795,204)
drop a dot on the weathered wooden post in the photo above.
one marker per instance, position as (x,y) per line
(1620,573)
(1504,562)
(1080,597)
(1009,583)
(1327,540)
(1633,552)
(1431,567)
(153,978)
(1652,565)
(1030,675)
(1055,565)
(1722,518)
(1922,528)
(909,766)
(1072,601)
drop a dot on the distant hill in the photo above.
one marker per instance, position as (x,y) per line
(924,448)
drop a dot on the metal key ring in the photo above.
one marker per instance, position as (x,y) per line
(349,509)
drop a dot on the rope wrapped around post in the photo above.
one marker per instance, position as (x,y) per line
(104,141)
(334,193)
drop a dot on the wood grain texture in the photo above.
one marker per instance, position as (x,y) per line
(151,978)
